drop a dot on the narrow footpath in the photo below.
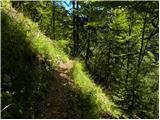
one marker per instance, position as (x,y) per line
(58,102)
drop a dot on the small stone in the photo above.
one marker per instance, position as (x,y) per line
(48,104)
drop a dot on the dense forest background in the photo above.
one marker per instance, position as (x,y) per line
(117,43)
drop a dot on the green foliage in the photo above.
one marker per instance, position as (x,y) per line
(21,43)
(36,39)
(122,57)
(28,80)
(117,40)
(19,65)
(63,44)
(93,100)
(47,18)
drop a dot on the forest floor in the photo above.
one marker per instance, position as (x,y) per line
(61,97)
(57,101)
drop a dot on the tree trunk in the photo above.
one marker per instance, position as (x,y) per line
(77,30)
(74,30)
(53,20)
(88,46)
(108,65)
(135,79)
(128,48)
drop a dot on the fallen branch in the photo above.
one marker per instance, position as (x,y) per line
(5,107)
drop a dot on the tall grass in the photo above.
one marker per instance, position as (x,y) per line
(38,42)
(98,101)
(93,99)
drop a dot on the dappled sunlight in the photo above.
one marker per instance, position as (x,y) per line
(79,60)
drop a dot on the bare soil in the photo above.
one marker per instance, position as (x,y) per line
(58,102)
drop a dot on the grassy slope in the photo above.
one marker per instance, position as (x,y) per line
(97,99)
(38,42)
(92,95)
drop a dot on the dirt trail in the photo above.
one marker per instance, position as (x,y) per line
(61,99)
(58,101)
(66,66)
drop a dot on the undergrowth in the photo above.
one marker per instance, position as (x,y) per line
(92,95)
(24,75)
(38,42)
(21,40)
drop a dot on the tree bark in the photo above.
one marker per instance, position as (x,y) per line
(108,65)
(77,30)
(53,20)
(88,46)
(135,79)
(74,29)
(128,47)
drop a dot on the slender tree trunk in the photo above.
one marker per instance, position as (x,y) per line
(53,20)
(88,46)
(135,79)
(142,43)
(128,48)
(74,29)
(77,30)
(108,65)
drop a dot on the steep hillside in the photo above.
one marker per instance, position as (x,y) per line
(39,80)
